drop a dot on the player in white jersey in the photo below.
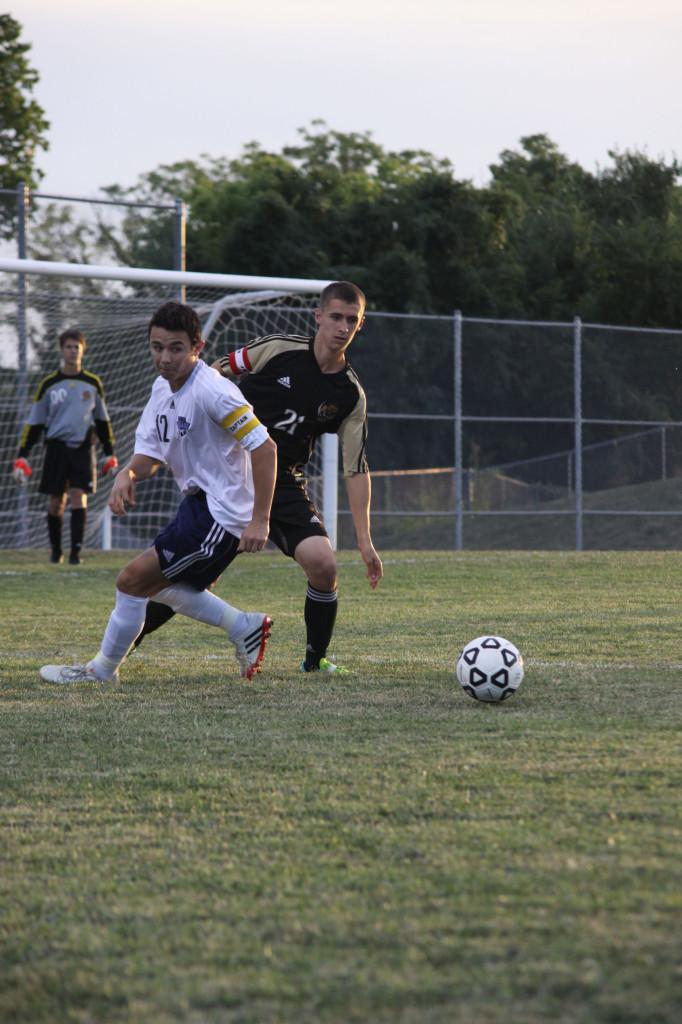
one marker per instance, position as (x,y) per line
(224,462)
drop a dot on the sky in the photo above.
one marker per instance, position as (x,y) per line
(129,85)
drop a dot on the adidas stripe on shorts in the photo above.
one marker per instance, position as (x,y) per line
(194,548)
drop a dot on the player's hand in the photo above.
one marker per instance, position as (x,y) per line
(255,536)
(375,570)
(110,462)
(122,495)
(21,471)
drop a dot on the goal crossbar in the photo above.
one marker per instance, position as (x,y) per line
(140,275)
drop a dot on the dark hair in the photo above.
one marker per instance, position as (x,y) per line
(174,316)
(345,291)
(73,334)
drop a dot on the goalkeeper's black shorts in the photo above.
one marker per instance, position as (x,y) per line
(64,468)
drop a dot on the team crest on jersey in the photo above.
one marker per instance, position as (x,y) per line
(327,411)
(86,396)
(183,426)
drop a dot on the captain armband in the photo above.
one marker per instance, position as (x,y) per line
(236,363)
(241,424)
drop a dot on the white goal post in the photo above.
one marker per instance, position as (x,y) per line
(112,306)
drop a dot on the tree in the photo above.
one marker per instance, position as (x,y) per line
(22,120)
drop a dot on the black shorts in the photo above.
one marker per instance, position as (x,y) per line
(64,468)
(293,516)
(194,548)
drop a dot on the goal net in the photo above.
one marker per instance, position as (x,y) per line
(112,306)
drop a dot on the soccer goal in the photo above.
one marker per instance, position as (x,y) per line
(112,306)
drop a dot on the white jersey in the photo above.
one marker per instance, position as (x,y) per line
(204,433)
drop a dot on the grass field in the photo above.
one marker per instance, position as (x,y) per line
(184,846)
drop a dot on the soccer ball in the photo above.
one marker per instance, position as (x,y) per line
(490,668)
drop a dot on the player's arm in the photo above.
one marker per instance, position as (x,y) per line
(106,439)
(237,418)
(359,489)
(104,430)
(234,364)
(264,470)
(122,497)
(33,428)
(253,358)
(21,468)
(352,439)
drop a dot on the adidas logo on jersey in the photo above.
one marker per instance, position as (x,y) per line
(168,555)
(314,519)
(284,381)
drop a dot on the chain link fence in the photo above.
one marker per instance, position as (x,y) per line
(482,433)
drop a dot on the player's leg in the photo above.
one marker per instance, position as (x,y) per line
(53,483)
(193,552)
(157,615)
(138,580)
(79,510)
(297,530)
(82,481)
(55,523)
(316,557)
(134,583)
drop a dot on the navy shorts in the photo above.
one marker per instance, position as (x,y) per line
(293,516)
(193,548)
(64,468)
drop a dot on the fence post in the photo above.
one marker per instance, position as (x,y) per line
(578,430)
(330,485)
(105,529)
(180,243)
(23,199)
(459,512)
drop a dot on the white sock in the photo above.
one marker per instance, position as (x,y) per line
(201,605)
(124,626)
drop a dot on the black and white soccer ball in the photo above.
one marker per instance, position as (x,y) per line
(490,668)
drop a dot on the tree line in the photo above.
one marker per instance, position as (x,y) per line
(543,239)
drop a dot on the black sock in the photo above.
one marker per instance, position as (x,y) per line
(320,616)
(157,614)
(54,532)
(78,520)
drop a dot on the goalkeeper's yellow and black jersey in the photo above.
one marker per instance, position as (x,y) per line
(281,378)
(68,407)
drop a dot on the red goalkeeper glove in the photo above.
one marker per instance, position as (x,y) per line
(111,462)
(21,471)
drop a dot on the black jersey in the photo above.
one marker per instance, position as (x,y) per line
(281,378)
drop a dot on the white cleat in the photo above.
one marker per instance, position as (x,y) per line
(249,644)
(62,674)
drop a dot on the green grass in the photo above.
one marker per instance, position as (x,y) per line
(187,847)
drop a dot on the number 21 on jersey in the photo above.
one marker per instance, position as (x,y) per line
(290,421)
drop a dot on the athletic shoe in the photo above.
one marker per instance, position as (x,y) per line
(57,557)
(74,558)
(326,666)
(249,644)
(72,674)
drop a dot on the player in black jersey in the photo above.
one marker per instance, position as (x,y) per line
(69,406)
(301,388)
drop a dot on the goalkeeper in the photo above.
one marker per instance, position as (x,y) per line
(69,406)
